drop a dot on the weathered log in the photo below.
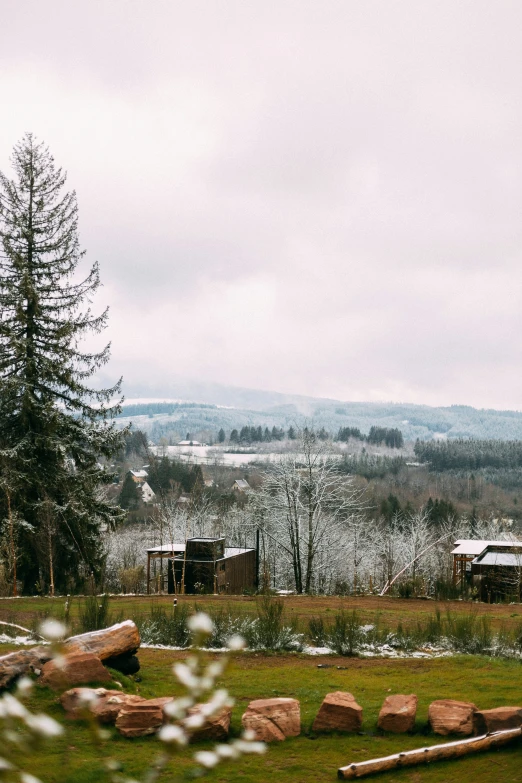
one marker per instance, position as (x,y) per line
(112,642)
(19,662)
(410,758)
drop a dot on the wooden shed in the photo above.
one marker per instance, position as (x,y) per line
(202,565)
(497,572)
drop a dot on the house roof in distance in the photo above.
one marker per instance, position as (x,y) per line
(241,484)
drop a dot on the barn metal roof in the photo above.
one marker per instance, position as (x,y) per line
(475,547)
(493,558)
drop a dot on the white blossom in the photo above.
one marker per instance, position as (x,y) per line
(14,708)
(25,777)
(195,721)
(250,747)
(24,686)
(87,697)
(185,676)
(44,725)
(227,751)
(171,733)
(236,642)
(219,699)
(200,623)
(178,708)
(206,758)
(215,669)
(53,630)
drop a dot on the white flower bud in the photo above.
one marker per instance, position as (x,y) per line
(206,758)
(185,676)
(200,623)
(13,708)
(227,751)
(236,642)
(25,777)
(215,669)
(24,686)
(170,733)
(53,630)
(87,697)
(177,709)
(44,725)
(195,721)
(248,735)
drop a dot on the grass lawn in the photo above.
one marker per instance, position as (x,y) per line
(487,682)
(306,759)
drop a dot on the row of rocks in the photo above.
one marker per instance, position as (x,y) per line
(273,720)
(135,716)
(340,712)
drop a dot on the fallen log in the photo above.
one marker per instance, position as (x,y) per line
(410,758)
(120,639)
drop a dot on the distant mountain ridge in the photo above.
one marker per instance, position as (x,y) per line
(211,407)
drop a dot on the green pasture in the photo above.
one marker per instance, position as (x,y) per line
(308,758)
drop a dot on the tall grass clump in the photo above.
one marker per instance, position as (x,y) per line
(227,625)
(94,613)
(318,631)
(164,626)
(268,631)
(469,633)
(346,634)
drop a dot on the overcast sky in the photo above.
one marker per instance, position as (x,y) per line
(321,198)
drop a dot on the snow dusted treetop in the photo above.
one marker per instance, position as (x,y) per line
(54,427)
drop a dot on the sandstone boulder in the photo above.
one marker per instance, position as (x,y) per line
(338,712)
(138,720)
(15,664)
(447,716)
(498,719)
(105,706)
(215,727)
(273,720)
(74,669)
(398,713)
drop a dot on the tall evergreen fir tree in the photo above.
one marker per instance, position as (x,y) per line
(54,428)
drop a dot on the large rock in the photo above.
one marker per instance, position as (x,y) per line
(338,712)
(273,720)
(498,719)
(215,727)
(451,717)
(74,669)
(15,664)
(120,639)
(104,704)
(138,720)
(398,713)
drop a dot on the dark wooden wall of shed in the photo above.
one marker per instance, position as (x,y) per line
(239,573)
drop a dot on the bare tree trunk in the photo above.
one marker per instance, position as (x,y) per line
(12,545)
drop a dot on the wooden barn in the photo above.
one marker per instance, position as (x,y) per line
(494,568)
(202,565)
(497,572)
